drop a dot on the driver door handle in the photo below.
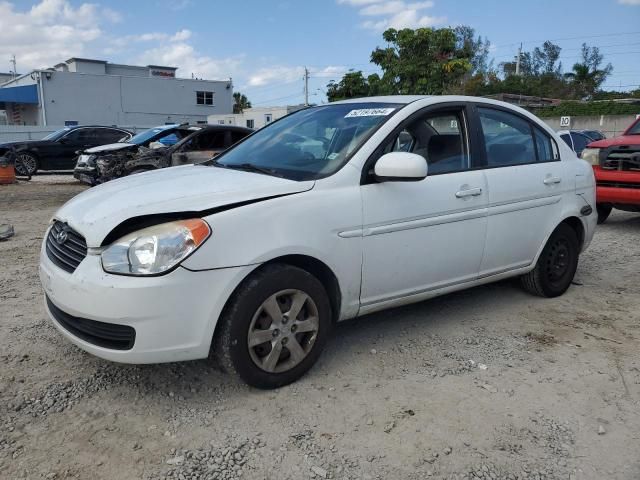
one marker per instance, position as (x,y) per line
(552,180)
(471,192)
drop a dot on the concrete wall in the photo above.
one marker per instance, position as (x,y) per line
(610,125)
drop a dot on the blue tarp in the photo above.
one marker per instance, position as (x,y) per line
(23,94)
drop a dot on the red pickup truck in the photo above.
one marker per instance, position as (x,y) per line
(616,165)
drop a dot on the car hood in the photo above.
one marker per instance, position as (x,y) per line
(111,147)
(190,188)
(616,141)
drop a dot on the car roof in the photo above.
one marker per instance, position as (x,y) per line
(567,132)
(401,99)
(226,127)
(75,127)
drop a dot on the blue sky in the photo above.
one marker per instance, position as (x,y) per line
(264,45)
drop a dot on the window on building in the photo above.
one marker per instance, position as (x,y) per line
(250,123)
(220,122)
(268,118)
(204,98)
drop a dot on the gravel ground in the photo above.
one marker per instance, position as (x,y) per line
(489,383)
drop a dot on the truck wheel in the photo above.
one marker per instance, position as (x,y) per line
(274,327)
(26,164)
(604,211)
(556,265)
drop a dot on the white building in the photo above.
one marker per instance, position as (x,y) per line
(256,117)
(84,91)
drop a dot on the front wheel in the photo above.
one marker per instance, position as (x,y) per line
(26,164)
(275,326)
(556,266)
(603,212)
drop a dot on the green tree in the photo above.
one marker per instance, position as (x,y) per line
(422,61)
(352,85)
(240,102)
(587,76)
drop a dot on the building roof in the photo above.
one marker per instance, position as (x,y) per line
(162,67)
(79,59)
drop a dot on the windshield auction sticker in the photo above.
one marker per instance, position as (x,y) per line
(369,112)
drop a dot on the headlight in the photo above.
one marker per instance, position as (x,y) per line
(591,155)
(155,250)
(87,160)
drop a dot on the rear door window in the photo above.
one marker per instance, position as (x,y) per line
(508,138)
(544,146)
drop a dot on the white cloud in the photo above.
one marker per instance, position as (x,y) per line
(629,2)
(287,74)
(190,62)
(49,32)
(395,13)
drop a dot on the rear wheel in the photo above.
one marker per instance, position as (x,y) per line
(604,211)
(275,326)
(556,266)
(26,164)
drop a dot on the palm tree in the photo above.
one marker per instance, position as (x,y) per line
(587,76)
(240,102)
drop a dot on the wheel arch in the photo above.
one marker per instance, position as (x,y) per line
(310,264)
(576,224)
(321,271)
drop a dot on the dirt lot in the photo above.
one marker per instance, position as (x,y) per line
(489,383)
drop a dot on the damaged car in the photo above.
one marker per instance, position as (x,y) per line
(332,212)
(149,151)
(86,169)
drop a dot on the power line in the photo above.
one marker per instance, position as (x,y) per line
(570,38)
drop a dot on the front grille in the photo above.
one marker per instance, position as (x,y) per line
(65,247)
(624,158)
(605,183)
(107,335)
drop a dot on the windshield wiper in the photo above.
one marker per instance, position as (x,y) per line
(250,167)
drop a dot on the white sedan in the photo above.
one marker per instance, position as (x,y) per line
(332,212)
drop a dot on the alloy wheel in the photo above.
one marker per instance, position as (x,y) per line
(26,164)
(283,331)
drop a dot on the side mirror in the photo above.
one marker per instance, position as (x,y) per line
(400,167)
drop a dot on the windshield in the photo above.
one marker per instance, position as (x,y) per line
(311,143)
(143,137)
(635,129)
(57,134)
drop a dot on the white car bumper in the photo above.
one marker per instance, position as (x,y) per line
(173,316)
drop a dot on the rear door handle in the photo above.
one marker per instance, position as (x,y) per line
(552,180)
(471,192)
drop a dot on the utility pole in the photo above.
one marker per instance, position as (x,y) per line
(14,72)
(306,86)
(518,60)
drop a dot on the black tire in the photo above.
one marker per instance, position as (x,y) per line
(604,211)
(556,266)
(246,307)
(26,164)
